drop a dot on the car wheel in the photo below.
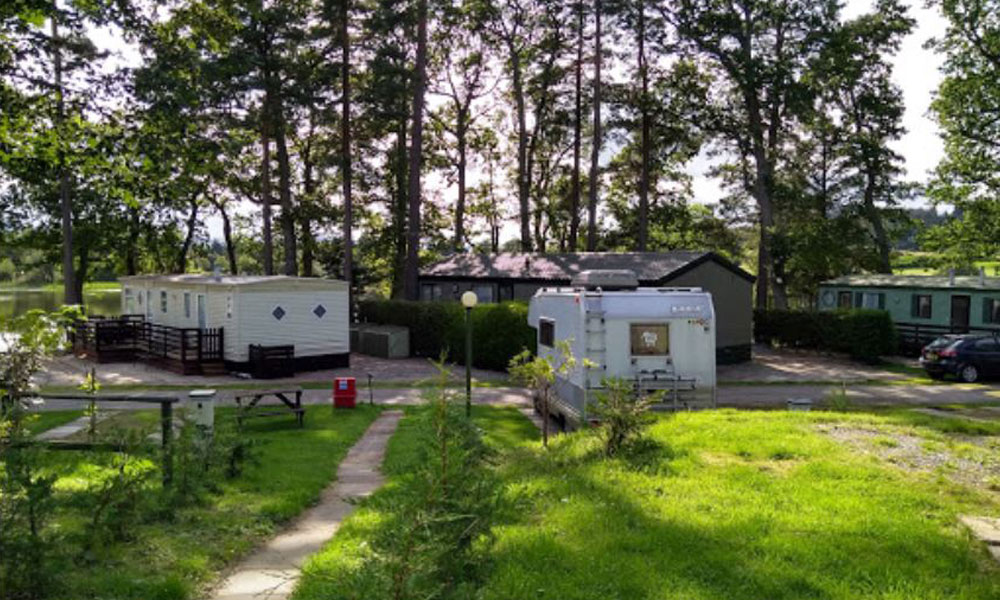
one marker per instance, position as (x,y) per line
(969,374)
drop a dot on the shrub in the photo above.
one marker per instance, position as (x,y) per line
(499,331)
(623,413)
(864,334)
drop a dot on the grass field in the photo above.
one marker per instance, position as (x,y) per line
(170,559)
(743,505)
(723,504)
(45,420)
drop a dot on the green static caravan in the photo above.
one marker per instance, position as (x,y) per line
(922,307)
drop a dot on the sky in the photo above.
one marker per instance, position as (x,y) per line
(916,71)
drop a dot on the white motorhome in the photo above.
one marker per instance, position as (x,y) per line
(661,339)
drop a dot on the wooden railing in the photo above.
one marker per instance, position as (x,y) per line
(130,337)
(914,336)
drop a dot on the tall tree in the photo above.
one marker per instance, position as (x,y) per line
(411,288)
(760,51)
(595,149)
(967,108)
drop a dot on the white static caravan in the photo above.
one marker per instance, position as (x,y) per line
(661,339)
(310,314)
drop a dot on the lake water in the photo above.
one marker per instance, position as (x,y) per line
(96,302)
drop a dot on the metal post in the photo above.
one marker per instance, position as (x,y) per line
(468,363)
(167,431)
(371,394)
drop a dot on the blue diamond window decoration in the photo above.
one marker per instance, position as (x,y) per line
(319,311)
(278,313)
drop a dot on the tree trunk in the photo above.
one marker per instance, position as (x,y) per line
(265,192)
(460,130)
(72,293)
(227,235)
(80,276)
(192,224)
(596,149)
(645,142)
(345,145)
(132,252)
(878,227)
(285,194)
(307,205)
(574,196)
(411,289)
(523,185)
(399,211)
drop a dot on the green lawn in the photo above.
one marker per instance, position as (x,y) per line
(741,505)
(719,504)
(50,419)
(174,558)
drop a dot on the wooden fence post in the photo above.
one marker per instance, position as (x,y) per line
(167,431)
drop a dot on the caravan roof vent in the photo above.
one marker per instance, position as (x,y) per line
(606,279)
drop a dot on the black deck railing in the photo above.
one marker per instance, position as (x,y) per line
(131,337)
(914,336)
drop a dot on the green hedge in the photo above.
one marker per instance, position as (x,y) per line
(499,331)
(864,334)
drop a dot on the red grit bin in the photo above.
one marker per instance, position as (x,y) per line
(345,394)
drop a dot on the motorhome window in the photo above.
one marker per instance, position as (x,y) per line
(546,332)
(844,300)
(650,339)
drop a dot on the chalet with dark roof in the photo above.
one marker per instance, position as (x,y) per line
(516,276)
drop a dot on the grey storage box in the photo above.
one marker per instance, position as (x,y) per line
(384,341)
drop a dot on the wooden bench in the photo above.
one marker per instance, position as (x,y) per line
(248,407)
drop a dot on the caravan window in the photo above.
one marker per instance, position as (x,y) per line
(187,305)
(163,301)
(650,339)
(546,332)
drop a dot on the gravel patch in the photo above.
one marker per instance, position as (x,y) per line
(968,460)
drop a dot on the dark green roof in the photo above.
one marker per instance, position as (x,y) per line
(945,282)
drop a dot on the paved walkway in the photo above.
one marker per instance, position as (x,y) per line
(272,571)
(66,430)
(68,370)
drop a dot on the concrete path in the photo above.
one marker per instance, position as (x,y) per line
(272,571)
(64,431)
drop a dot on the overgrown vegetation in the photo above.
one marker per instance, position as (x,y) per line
(499,331)
(864,334)
(623,413)
(426,533)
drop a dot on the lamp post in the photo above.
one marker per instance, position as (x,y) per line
(469,301)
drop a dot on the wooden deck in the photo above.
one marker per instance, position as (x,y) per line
(130,338)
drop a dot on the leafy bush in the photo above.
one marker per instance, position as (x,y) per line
(864,334)
(499,331)
(622,412)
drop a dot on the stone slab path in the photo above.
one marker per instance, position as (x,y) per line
(272,571)
(987,530)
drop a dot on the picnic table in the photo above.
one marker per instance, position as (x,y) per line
(248,404)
